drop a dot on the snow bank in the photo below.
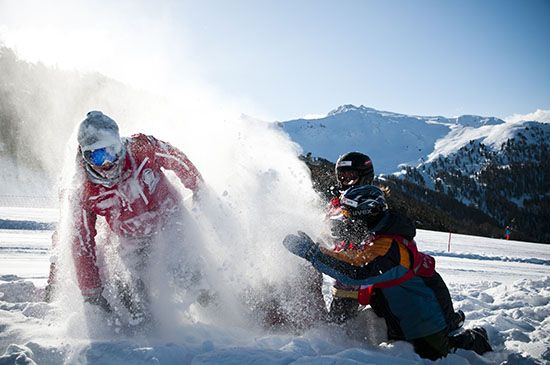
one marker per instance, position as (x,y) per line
(482,275)
(516,317)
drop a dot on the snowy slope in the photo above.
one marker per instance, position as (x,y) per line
(501,285)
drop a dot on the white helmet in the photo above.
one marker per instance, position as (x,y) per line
(101,148)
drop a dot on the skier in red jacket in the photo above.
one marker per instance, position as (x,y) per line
(124,182)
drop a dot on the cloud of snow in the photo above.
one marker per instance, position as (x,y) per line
(258,189)
(540,115)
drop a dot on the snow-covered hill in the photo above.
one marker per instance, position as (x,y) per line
(471,152)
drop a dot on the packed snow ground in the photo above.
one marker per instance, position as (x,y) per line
(501,285)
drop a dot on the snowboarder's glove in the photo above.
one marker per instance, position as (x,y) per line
(301,245)
(100,301)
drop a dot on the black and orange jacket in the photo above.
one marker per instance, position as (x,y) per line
(386,258)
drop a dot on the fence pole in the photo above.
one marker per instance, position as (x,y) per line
(449,244)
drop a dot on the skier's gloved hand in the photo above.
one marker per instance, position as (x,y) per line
(301,245)
(99,300)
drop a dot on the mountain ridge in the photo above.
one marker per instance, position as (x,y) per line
(349,127)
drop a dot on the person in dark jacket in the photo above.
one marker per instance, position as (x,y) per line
(351,169)
(385,257)
(356,169)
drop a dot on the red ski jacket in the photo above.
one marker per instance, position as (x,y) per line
(137,206)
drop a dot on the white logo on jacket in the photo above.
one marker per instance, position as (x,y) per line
(150,179)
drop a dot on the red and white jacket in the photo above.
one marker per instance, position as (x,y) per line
(138,205)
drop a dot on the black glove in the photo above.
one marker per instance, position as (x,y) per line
(100,301)
(301,245)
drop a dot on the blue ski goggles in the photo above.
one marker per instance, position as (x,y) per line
(101,156)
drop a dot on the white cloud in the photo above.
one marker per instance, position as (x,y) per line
(540,115)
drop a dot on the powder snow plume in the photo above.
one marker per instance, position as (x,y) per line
(258,189)
(257,192)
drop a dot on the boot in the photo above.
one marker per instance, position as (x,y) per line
(475,339)
(457,321)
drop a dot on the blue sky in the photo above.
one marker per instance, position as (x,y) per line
(293,58)
(419,57)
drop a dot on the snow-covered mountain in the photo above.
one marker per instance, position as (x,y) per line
(499,167)
(517,145)
(392,139)
(389,138)
(504,173)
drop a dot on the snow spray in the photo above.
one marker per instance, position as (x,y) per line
(257,191)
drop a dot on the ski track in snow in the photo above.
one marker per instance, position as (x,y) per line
(501,285)
(472,256)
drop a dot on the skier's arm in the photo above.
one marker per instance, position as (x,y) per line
(84,251)
(381,247)
(171,158)
(355,257)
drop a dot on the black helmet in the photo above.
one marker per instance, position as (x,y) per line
(354,168)
(365,203)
